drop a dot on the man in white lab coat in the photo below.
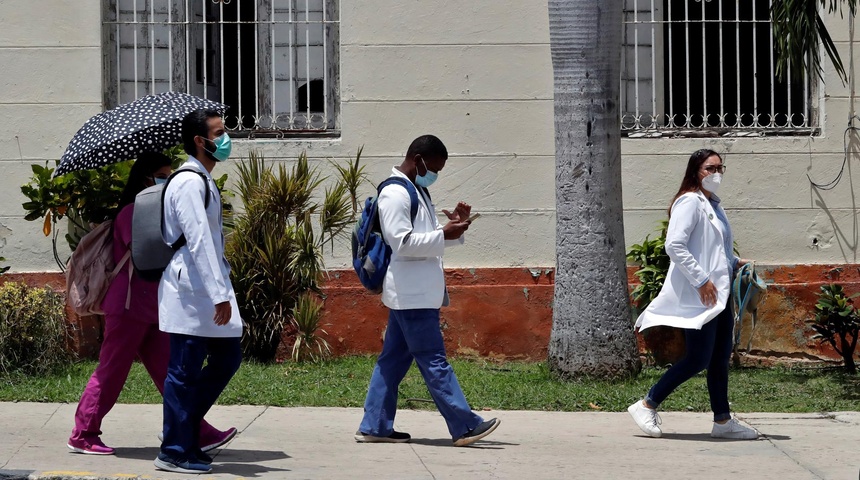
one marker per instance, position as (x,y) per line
(414,290)
(197,305)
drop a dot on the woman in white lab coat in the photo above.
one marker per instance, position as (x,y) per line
(695,297)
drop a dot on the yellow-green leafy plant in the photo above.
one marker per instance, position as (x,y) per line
(275,249)
(32,329)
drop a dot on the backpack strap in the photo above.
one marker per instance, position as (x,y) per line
(410,188)
(116,270)
(180,242)
(742,298)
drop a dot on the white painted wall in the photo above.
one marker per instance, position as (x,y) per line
(478,75)
(50,84)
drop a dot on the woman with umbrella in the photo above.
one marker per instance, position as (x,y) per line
(131,327)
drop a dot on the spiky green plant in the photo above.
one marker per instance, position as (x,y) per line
(276,246)
(307,319)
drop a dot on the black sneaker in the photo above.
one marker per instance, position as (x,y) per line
(203,457)
(477,433)
(395,437)
(163,462)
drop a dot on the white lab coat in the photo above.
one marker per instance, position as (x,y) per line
(198,276)
(415,277)
(696,247)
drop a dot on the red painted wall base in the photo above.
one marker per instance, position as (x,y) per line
(506,313)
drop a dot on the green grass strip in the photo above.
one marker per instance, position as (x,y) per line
(342,382)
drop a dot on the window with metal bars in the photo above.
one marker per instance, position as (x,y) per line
(707,68)
(273,62)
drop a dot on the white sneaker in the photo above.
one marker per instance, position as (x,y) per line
(734,430)
(647,418)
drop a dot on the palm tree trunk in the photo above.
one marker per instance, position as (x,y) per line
(592,333)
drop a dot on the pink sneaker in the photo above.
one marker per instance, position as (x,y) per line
(90,447)
(207,444)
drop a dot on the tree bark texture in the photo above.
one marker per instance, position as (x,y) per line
(592,332)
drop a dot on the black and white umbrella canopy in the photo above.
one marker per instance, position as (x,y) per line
(150,123)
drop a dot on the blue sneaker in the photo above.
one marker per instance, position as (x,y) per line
(163,462)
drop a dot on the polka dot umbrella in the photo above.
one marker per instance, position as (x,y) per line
(150,123)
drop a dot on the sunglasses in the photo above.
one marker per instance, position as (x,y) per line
(716,169)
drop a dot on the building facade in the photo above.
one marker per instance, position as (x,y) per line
(328,77)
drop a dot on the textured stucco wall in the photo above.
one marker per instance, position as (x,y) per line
(49,86)
(478,75)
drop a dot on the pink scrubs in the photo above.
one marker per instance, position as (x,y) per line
(129,333)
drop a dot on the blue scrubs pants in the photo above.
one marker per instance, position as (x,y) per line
(415,334)
(191,388)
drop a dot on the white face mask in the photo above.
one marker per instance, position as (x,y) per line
(712,182)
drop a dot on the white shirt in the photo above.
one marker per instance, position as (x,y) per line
(415,277)
(198,276)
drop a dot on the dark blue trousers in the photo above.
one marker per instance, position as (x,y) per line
(711,348)
(415,335)
(191,388)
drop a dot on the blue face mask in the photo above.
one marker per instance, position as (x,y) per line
(223,147)
(159,181)
(428,178)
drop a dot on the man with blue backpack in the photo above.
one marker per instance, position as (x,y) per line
(413,289)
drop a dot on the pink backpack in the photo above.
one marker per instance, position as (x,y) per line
(91,270)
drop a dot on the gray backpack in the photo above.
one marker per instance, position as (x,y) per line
(149,252)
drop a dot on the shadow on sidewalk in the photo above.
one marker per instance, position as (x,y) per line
(227,455)
(441,442)
(241,463)
(244,470)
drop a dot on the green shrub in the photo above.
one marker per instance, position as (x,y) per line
(84,197)
(32,329)
(653,264)
(837,322)
(276,246)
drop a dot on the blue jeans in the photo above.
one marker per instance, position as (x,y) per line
(191,389)
(711,348)
(415,334)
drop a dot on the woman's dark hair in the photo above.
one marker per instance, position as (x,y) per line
(691,182)
(196,124)
(144,167)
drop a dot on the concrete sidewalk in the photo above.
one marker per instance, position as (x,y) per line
(317,443)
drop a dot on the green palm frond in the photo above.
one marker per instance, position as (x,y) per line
(352,175)
(797,30)
(336,215)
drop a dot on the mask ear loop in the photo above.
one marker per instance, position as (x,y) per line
(206,149)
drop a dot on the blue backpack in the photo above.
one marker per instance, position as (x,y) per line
(370,254)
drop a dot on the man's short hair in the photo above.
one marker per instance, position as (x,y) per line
(194,124)
(428,146)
